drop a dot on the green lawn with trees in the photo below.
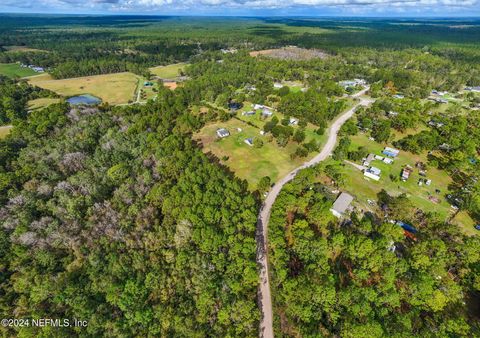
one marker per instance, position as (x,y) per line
(13,70)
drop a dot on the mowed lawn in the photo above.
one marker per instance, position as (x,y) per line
(115,88)
(13,70)
(245,161)
(41,103)
(259,121)
(4,131)
(364,189)
(168,72)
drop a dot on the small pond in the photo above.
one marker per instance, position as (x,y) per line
(85,99)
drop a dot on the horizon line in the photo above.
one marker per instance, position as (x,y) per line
(244,15)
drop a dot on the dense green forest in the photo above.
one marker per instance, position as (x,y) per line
(114,215)
(363,277)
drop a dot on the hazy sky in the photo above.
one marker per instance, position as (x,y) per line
(250,7)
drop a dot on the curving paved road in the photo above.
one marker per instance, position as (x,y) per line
(265,299)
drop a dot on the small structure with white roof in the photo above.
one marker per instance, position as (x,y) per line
(249,141)
(341,205)
(277,85)
(222,133)
(392,152)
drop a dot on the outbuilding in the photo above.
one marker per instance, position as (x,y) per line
(341,205)
(249,141)
(222,133)
(392,152)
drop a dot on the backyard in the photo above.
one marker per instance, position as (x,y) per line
(13,70)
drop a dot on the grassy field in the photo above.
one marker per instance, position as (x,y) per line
(465,222)
(116,88)
(41,103)
(168,72)
(4,131)
(248,162)
(22,49)
(365,189)
(14,70)
(259,122)
(148,92)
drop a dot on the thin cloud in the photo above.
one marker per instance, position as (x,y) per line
(242,6)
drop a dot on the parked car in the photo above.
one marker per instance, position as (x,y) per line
(477,227)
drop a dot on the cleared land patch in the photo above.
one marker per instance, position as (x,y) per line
(4,131)
(248,162)
(13,70)
(115,88)
(41,103)
(168,72)
(21,49)
(291,53)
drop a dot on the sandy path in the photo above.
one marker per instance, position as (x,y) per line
(265,299)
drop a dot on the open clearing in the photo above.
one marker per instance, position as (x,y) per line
(21,49)
(4,131)
(115,88)
(291,53)
(248,162)
(168,72)
(41,103)
(13,70)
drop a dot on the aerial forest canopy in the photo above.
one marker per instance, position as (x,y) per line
(362,278)
(141,217)
(115,217)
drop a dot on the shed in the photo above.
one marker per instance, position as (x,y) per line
(293,121)
(392,152)
(222,133)
(249,141)
(342,203)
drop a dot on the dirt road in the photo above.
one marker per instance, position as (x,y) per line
(265,299)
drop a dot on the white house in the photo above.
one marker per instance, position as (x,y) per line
(222,133)
(258,106)
(342,203)
(368,174)
(293,121)
(373,173)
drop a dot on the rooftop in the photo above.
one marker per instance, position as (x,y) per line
(342,203)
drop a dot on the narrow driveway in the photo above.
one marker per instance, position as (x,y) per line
(265,299)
